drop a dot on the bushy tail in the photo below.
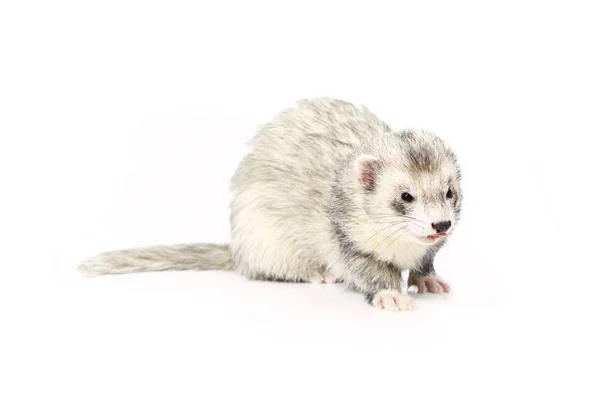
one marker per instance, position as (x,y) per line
(159,258)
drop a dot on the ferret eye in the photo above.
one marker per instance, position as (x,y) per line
(407,197)
(449,194)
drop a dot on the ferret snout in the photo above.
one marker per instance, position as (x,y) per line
(441,227)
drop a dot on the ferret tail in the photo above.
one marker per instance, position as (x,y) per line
(159,258)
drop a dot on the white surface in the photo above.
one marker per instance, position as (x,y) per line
(122,122)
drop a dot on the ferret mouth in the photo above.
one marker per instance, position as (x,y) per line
(436,236)
(433,238)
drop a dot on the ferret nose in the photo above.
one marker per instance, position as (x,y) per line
(441,227)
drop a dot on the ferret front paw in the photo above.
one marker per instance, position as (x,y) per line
(392,300)
(429,284)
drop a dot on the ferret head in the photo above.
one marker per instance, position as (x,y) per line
(410,183)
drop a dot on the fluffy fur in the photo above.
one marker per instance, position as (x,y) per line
(328,193)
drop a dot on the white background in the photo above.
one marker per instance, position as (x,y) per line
(122,121)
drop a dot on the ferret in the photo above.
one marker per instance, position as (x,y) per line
(328,193)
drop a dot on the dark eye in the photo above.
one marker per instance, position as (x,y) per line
(449,194)
(407,197)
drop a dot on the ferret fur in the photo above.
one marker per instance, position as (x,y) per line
(319,198)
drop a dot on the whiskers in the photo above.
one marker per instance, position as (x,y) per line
(402,228)
(393,241)
(390,225)
(398,227)
(397,216)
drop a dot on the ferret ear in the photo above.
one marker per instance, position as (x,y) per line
(366,167)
